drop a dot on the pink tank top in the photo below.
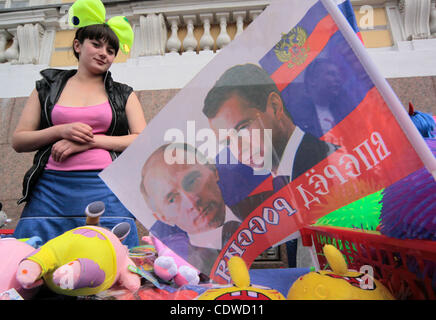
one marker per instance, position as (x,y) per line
(99,117)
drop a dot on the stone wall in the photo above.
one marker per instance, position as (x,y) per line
(420,90)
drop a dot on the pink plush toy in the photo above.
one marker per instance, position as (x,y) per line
(170,266)
(82,261)
(12,251)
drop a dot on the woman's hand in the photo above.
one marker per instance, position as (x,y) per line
(136,121)
(77,132)
(64,148)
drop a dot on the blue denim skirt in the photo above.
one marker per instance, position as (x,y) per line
(58,202)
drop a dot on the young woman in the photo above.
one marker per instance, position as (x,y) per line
(78,121)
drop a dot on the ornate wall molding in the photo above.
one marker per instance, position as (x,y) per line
(196,15)
(150,20)
(395,21)
(411,20)
(29,41)
(33,34)
(433,19)
(153,34)
(157,24)
(417,19)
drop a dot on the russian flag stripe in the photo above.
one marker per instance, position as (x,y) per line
(269,62)
(347,10)
(314,44)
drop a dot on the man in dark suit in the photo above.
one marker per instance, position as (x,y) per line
(192,217)
(246,98)
(324,102)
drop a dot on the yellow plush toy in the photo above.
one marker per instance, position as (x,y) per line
(82,261)
(241,288)
(338,284)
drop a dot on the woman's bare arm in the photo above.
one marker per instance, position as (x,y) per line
(27,137)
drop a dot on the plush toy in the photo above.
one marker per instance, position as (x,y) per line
(424,122)
(12,252)
(338,283)
(82,261)
(361,214)
(93,212)
(409,205)
(241,289)
(3,217)
(171,267)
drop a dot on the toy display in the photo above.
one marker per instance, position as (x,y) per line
(241,289)
(82,261)
(92,263)
(171,267)
(338,283)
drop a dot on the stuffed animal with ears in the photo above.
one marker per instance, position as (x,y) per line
(171,267)
(82,261)
(241,287)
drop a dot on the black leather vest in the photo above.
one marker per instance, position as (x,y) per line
(49,89)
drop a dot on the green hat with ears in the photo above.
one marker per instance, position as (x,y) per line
(84,13)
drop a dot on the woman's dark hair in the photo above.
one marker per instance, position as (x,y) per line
(97,32)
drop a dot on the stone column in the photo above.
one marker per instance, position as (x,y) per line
(189,43)
(223,38)
(206,41)
(174,44)
(239,16)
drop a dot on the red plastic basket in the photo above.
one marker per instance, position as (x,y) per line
(406,267)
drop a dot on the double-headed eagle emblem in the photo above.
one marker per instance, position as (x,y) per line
(292,47)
